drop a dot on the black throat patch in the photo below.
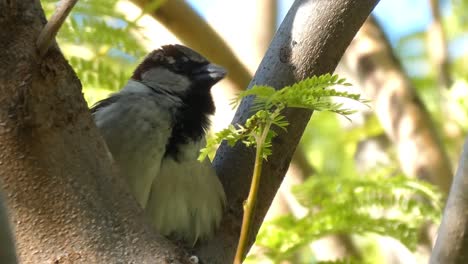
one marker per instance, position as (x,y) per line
(190,121)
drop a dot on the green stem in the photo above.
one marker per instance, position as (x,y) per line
(252,198)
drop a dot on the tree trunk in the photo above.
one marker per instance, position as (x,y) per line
(398,107)
(65,202)
(310,41)
(265,26)
(438,47)
(451,246)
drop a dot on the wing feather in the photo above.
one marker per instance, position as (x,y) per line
(139,146)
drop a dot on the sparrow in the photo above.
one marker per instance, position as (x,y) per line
(154,128)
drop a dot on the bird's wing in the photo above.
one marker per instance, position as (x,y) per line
(136,131)
(187,198)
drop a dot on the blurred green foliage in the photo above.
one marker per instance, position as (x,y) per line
(313,93)
(100,44)
(391,206)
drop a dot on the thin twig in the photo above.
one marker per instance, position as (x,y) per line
(249,205)
(51,28)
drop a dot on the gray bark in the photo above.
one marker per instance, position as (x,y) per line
(451,246)
(310,41)
(66,203)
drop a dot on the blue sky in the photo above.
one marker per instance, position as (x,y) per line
(399,17)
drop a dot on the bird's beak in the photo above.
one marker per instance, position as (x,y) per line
(210,72)
(215,72)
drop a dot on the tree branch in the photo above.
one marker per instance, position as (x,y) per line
(50,30)
(437,43)
(265,25)
(310,41)
(451,246)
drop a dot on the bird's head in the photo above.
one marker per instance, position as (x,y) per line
(178,70)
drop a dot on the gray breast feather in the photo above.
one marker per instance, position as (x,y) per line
(136,131)
(187,198)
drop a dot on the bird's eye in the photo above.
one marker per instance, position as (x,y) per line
(178,67)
